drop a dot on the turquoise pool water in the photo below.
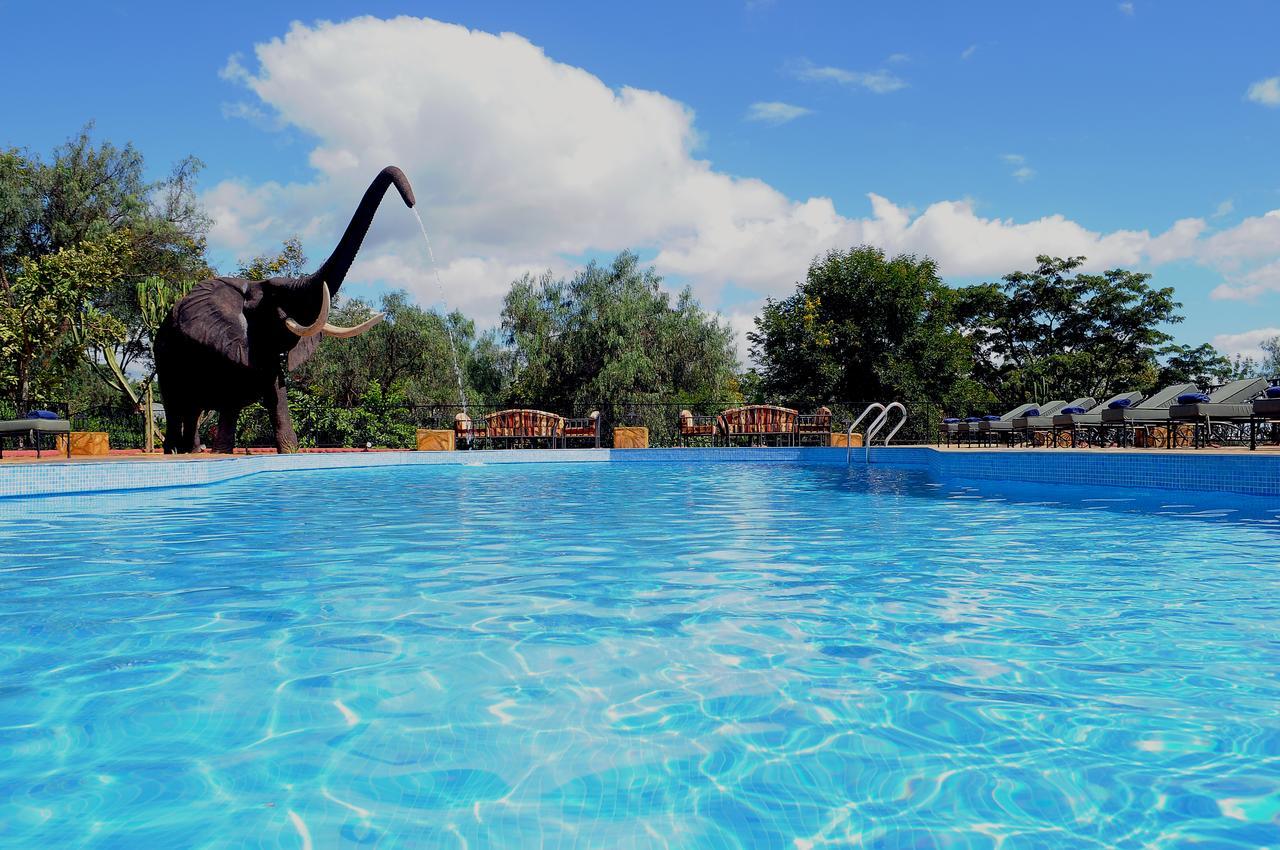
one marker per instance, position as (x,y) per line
(638,656)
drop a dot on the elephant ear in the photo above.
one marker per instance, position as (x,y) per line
(212,314)
(302,351)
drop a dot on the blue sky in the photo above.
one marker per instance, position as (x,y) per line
(1118,118)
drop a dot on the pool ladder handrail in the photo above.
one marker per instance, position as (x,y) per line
(876,425)
(848,441)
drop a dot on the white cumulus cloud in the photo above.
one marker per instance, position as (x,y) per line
(521,163)
(1246,344)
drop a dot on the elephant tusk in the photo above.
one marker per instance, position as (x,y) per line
(318,325)
(344,333)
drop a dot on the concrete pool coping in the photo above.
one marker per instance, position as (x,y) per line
(1228,471)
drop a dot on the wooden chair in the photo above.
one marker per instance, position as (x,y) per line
(697,428)
(587,428)
(815,427)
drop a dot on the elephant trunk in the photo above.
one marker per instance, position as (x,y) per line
(334,270)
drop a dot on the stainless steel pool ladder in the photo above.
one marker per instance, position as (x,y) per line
(876,425)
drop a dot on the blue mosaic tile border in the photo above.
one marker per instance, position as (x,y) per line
(1246,474)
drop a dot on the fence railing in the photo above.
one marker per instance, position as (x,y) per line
(322,426)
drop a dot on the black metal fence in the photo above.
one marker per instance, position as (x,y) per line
(321,426)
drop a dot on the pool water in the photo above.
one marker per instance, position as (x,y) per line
(638,656)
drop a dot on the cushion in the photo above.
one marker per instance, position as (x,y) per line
(1193,398)
(1273,392)
(951,419)
(1074,410)
(1035,411)
(990,418)
(973,419)
(1121,404)
(41,414)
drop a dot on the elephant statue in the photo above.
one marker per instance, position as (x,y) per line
(230,341)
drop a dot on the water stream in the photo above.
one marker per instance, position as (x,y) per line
(453,343)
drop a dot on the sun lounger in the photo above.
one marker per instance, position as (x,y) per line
(33,427)
(1025,426)
(1231,402)
(1149,411)
(999,426)
(1265,409)
(1092,418)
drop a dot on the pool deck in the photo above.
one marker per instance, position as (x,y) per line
(1229,470)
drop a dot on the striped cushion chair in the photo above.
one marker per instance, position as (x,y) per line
(697,427)
(815,426)
(759,420)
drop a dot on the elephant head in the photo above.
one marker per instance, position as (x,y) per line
(223,344)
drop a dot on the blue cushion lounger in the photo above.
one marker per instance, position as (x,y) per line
(1066,418)
(1231,402)
(33,427)
(999,425)
(1042,419)
(1150,411)
(1273,392)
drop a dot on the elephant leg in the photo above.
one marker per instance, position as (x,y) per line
(224,439)
(276,401)
(173,441)
(191,431)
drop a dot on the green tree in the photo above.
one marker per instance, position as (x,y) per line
(47,314)
(290,262)
(609,335)
(864,327)
(406,355)
(90,191)
(1203,366)
(1057,332)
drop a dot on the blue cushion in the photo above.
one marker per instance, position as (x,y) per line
(1035,411)
(1120,404)
(1074,410)
(990,418)
(1273,392)
(950,419)
(41,414)
(973,419)
(1193,398)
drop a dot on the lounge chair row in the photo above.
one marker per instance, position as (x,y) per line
(1176,415)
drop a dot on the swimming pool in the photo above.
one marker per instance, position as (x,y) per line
(639,655)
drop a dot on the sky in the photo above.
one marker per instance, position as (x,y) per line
(727,143)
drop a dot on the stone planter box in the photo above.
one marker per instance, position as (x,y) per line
(841,440)
(631,438)
(430,440)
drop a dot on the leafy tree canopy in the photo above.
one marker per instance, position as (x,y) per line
(611,334)
(1057,333)
(863,327)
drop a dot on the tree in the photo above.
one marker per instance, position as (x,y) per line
(1050,332)
(609,335)
(290,262)
(1202,366)
(407,355)
(88,192)
(47,313)
(863,327)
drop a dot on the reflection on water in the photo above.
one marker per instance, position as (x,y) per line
(638,655)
